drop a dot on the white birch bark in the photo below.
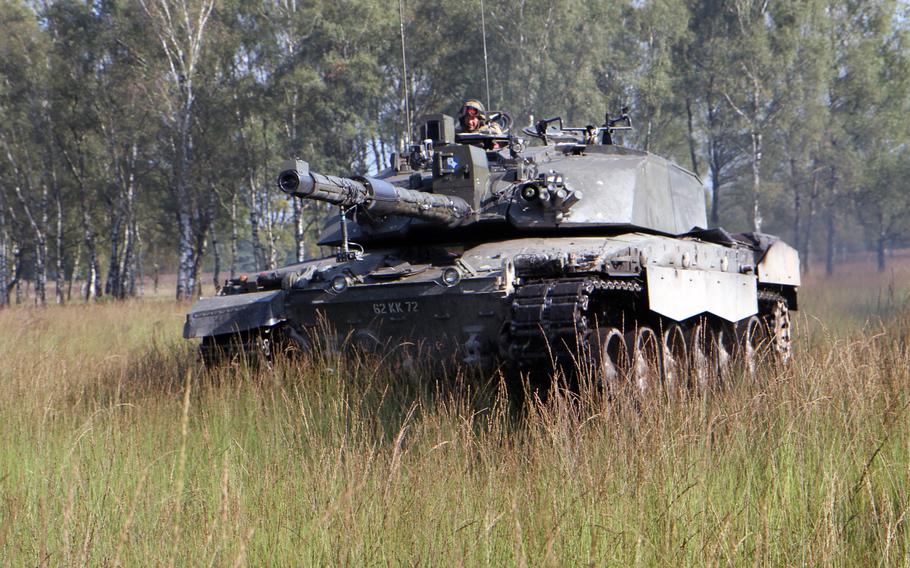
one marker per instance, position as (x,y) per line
(37,220)
(5,275)
(180,27)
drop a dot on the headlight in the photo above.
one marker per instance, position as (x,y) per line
(530,193)
(451,276)
(340,283)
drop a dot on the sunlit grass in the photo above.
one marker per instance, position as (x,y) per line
(116,447)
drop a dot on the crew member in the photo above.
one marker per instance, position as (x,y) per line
(472,119)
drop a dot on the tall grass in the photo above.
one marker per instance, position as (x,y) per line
(118,448)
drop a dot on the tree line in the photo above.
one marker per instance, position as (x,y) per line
(144,135)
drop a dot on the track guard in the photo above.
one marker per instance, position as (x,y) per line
(231,314)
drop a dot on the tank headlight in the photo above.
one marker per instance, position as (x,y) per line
(340,283)
(529,193)
(451,276)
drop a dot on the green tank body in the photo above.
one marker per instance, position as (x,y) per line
(484,250)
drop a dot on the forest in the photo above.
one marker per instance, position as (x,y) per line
(143,137)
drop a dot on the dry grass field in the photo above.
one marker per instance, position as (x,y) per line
(117,448)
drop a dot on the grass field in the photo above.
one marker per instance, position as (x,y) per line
(116,448)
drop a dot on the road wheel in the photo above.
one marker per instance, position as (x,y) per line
(749,338)
(612,358)
(723,346)
(699,354)
(674,355)
(645,368)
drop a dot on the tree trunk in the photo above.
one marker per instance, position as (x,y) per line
(16,280)
(93,269)
(693,154)
(128,259)
(182,42)
(880,251)
(41,271)
(200,245)
(74,273)
(296,205)
(128,264)
(714,157)
(38,228)
(59,252)
(234,236)
(139,271)
(185,260)
(267,205)
(377,155)
(715,195)
(92,284)
(4,260)
(832,202)
(797,203)
(254,222)
(806,254)
(41,252)
(216,269)
(831,251)
(756,179)
(299,241)
(270,232)
(203,222)
(113,284)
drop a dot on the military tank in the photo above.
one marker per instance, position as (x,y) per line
(492,251)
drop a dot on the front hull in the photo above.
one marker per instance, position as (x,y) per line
(462,322)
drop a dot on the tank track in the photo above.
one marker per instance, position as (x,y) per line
(774,311)
(549,318)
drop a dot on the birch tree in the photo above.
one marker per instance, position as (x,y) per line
(752,87)
(180,27)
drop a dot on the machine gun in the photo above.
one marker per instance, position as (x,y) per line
(589,134)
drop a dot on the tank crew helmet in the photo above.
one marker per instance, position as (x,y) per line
(471,107)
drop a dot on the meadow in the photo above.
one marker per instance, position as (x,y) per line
(118,448)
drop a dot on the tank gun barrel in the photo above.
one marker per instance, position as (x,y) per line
(373,195)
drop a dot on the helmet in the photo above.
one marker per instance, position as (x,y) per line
(471,104)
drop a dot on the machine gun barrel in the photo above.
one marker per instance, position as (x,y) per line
(373,195)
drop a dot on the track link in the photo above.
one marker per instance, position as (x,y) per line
(550,317)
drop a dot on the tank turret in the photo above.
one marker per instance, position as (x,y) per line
(577,179)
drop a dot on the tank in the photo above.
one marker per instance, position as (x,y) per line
(553,249)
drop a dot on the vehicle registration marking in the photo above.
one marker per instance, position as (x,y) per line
(403,307)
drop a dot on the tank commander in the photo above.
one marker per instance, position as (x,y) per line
(472,119)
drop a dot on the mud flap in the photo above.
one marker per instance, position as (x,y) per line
(680,294)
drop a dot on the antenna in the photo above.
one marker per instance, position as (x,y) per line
(404,78)
(486,68)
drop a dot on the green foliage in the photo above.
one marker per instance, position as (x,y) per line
(144,160)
